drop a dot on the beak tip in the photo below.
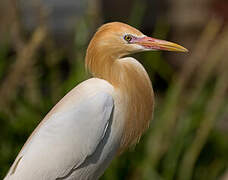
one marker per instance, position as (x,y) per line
(181,49)
(185,50)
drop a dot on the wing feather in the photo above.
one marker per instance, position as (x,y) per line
(65,139)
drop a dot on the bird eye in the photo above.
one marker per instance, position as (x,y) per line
(128,38)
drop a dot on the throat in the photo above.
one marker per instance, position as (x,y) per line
(130,78)
(136,87)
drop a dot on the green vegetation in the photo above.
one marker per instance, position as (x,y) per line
(187,138)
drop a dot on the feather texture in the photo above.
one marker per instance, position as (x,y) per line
(76,128)
(97,119)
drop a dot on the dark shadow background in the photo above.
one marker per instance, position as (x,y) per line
(42,50)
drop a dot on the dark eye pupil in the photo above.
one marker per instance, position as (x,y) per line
(128,38)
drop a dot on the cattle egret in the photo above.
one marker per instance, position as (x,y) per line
(100,117)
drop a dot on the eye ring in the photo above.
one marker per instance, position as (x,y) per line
(128,38)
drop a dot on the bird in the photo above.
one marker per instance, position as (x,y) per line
(99,118)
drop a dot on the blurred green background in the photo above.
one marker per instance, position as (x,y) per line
(42,50)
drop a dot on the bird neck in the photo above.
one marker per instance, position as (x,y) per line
(130,78)
(100,65)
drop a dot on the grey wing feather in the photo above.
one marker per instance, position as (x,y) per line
(64,141)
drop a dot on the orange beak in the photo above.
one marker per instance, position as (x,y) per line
(157,44)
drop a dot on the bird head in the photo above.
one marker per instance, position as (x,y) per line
(119,39)
(115,40)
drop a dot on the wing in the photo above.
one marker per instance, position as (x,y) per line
(64,140)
